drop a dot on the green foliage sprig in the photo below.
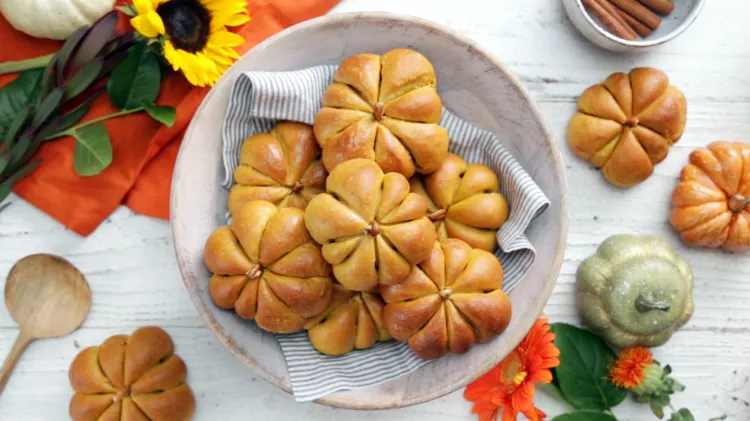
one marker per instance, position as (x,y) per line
(45,104)
(582,380)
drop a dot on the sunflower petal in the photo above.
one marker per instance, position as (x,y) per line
(225,39)
(217,56)
(237,20)
(149,24)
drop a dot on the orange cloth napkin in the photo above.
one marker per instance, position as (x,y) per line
(144,150)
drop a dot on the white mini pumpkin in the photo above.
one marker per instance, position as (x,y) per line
(55,19)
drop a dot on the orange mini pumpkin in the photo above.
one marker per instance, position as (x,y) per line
(712,202)
(131,378)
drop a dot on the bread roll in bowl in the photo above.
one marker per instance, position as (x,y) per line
(282,167)
(353,320)
(464,201)
(267,268)
(448,302)
(385,109)
(371,227)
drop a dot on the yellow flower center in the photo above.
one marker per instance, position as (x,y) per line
(520,377)
(187,23)
(514,372)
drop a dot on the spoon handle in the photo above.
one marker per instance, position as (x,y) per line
(22,342)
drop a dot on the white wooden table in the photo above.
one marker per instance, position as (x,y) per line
(130,263)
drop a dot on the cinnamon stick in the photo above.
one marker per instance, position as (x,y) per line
(663,7)
(608,20)
(642,29)
(639,11)
(612,9)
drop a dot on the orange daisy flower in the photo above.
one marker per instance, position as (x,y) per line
(629,370)
(509,388)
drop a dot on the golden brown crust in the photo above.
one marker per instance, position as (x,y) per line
(464,202)
(352,320)
(271,270)
(626,124)
(150,384)
(282,167)
(448,302)
(711,204)
(386,109)
(372,229)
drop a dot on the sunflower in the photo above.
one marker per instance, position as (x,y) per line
(195,35)
(510,386)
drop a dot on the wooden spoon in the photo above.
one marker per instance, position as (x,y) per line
(48,298)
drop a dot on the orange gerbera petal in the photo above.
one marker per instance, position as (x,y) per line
(628,371)
(509,388)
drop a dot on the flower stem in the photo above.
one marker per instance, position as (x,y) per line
(609,411)
(21,65)
(71,131)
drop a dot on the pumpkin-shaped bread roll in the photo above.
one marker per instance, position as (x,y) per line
(385,109)
(282,167)
(371,227)
(627,124)
(448,302)
(711,204)
(131,378)
(353,320)
(464,201)
(267,268)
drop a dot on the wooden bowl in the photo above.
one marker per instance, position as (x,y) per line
(476,86)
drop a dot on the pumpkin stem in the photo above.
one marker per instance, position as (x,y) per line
(738,202)
(648,303)
(438,215)
(21,65)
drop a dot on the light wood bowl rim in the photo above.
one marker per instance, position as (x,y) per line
(335,400)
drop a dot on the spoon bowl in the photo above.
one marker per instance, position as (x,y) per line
(48,298)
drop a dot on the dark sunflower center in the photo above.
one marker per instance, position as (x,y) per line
(187,23)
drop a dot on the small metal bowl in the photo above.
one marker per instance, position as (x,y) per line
(684,14)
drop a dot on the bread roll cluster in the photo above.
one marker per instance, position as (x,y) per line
(364,228)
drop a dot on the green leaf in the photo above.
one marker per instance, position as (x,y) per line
(584,369)
(14,128)
(47,81)
(136,80)
(127,9)
(63,55)
(47,107)
(657,409)
(162,113)
(661,399)
(18,152)
(67,120)
(16,95)
(585,416)
(683,415)
(7,185)
(83,78)
(93,150)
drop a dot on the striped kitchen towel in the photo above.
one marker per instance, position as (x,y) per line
(258,101)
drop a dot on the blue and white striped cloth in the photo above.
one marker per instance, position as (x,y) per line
(258,101)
